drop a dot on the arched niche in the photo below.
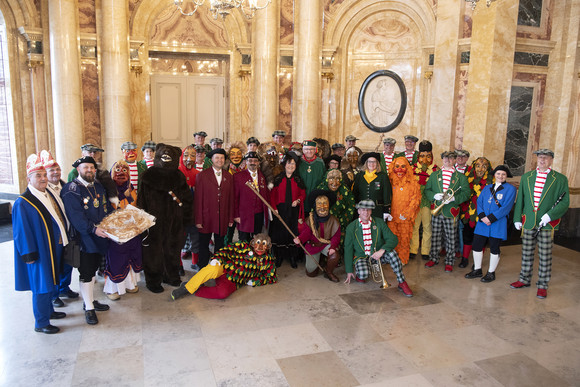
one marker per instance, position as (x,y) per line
(375,35)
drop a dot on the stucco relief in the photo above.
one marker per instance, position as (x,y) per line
(199,30)
(385,35)
(87,19)
(287,22)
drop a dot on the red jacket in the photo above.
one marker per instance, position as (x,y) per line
(214,205)
(278,195)
(246,202)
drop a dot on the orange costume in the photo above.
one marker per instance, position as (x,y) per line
(404,205)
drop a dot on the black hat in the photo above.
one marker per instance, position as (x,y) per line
(337,145)
(366,156)
(252,155)
(201,133)
(336,158)
(85,159)
(288,156)
(217,151)
(425,146)
(321,192)
(503,168)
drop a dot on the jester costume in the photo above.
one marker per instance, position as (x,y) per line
(468,210)
(233,266)
(404,205)
(343,209)
(423,170)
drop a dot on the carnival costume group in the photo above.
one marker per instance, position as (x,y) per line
(238,212)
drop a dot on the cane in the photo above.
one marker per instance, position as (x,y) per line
(255,190)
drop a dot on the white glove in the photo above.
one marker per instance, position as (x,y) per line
(545,220)
(250,283)
(214,262)
(402,217)
(114,200)
(438,196)
(518,225)
(387,217)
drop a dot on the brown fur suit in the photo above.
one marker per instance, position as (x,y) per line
(405,204)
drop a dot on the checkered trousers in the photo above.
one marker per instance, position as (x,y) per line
(362,266)
(439,224)
(545,241)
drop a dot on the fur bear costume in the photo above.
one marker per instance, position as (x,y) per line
(164,193)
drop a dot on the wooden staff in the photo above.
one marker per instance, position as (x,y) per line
(255,190)
(380,141)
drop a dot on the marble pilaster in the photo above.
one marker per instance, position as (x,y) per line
(265,67)
(115,60)
(66,79)
(39,107)
(445,73)
(307,51)
(490,79)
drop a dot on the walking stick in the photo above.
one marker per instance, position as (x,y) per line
(255,190)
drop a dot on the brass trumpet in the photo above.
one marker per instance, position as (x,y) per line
(446,199)
(377,272)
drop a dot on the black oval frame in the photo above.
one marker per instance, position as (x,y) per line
(402,109)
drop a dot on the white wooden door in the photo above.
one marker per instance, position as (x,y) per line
(183,105)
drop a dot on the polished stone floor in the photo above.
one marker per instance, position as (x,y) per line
(311,332)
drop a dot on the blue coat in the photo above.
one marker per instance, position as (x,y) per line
(84,213)
(498,216)
(37,252)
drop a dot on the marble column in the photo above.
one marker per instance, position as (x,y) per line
(66,80)
(307,63)
(116,89)
(445,72)
(493,43)
(265,38)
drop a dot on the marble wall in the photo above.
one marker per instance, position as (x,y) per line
(91,105)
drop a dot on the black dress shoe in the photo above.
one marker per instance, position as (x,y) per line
(69,294)
(91,317)
(57,315)
(181,271)
(474,274)
(412,256)
(155,288)
(49,329)
(57,303)
(489,277)
(425,257)
(463,263)
(98,306)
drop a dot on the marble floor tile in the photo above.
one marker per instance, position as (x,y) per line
(294,340)
(347,332)
(416,380)
(427,351)
(476,342)
(249,372)
(462,375)
(376,362)
(115,367)
(371,301)
(176,362)
(319,369)
(519,370)
(563,359)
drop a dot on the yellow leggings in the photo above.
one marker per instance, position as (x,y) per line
(202,276)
